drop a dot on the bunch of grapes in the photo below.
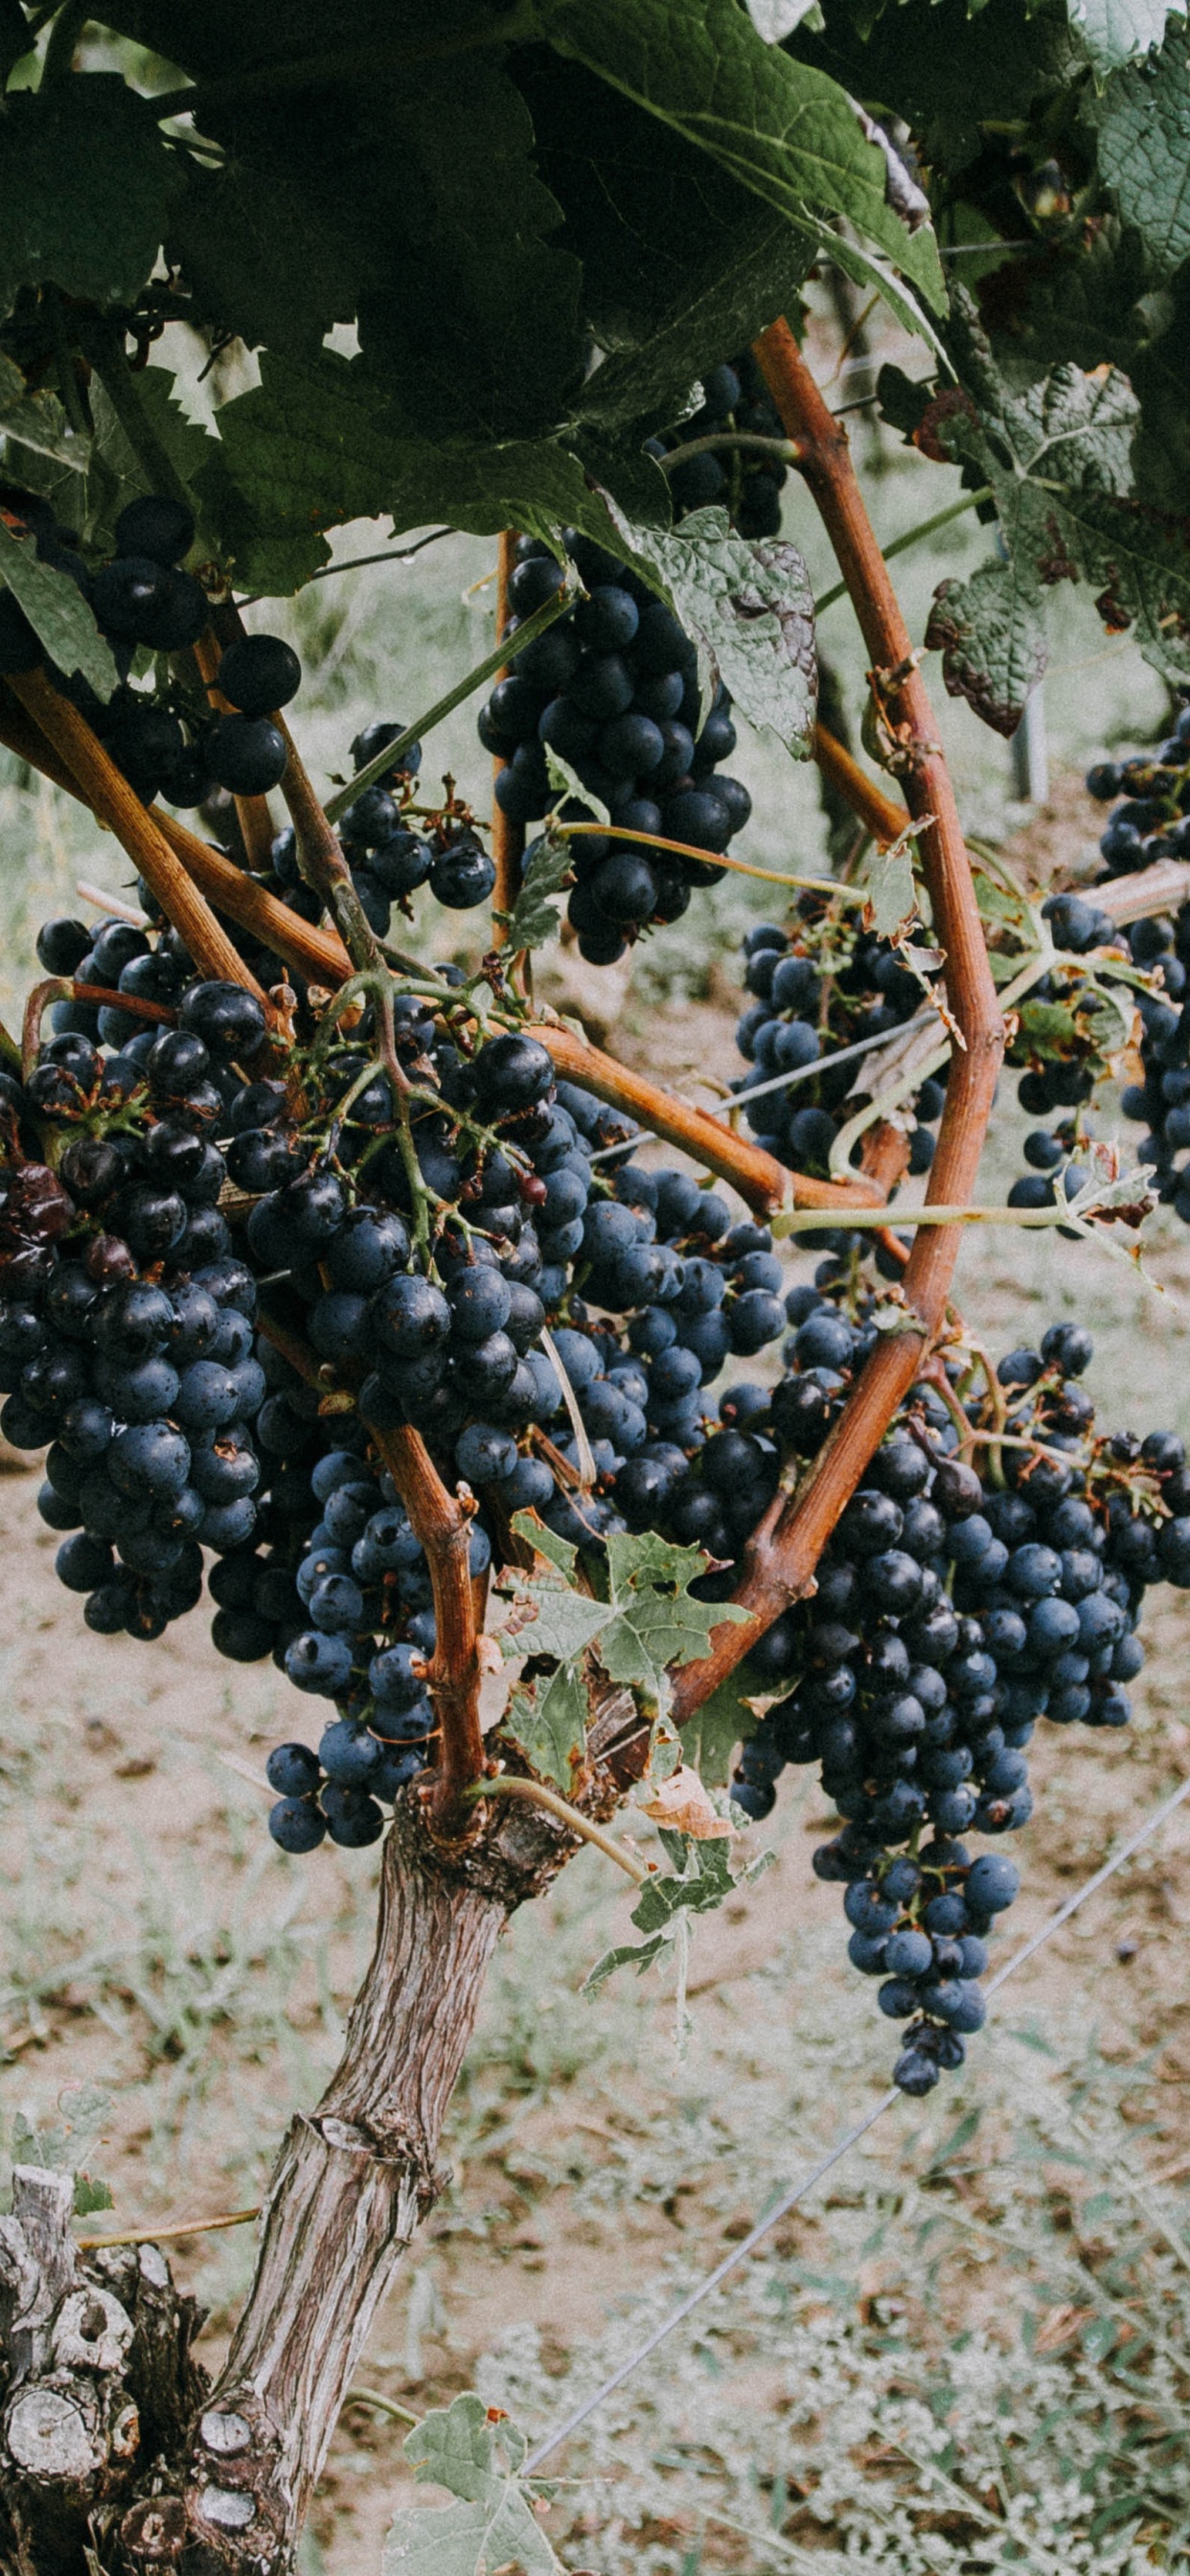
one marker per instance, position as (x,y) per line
(236,1259)
(953,1608)
(228,1271)
(745,483)
(613,689)
(823,986)
(1150,793)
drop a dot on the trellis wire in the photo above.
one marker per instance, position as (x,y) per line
(799,1073)
(789,2200)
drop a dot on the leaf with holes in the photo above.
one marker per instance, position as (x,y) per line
(548,1719)
(653,1620)
(749,610)
(989,633)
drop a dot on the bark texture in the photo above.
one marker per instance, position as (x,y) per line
(115,2456)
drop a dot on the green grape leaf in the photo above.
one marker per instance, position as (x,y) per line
(550,1619)
(477,287)
(558,1551)
(1117,31)
(629,1954)
(312,447)
(1058,456)
(565,782)
(86,185)
(548,1719)
(653,1622)
(710,1737)
(749,609)
(1051,1031)
(782,129)
(991,638)
(648,1623)
(724,304)
(703,1885)
(38,421)
(1144,151)
(117,474)
(476,2454)
(57,610)
(91,2193)
(700,1881)
(533,918)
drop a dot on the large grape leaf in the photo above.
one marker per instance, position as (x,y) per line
(1058,457)
(1117,31)
(86,185)
(1144,151)
(476,2455)
(312,447)
(785,131)
(477,287)
(720,308)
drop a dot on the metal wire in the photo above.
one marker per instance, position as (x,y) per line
(797,1073)
(789,2200)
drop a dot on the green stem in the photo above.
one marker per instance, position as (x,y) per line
(542,618)
(509,1786)
(384,2405)
(912,537)
(785,450)
(811,1220)
(716,858)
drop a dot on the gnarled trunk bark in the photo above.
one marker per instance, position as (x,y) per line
(111,2442)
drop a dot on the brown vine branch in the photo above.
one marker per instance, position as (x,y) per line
(443,1527)
(759,1177)
(781,1567)
(508,838)
(320,954)
(875,810)
(107,791)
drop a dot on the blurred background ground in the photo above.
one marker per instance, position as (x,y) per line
(970,2350)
